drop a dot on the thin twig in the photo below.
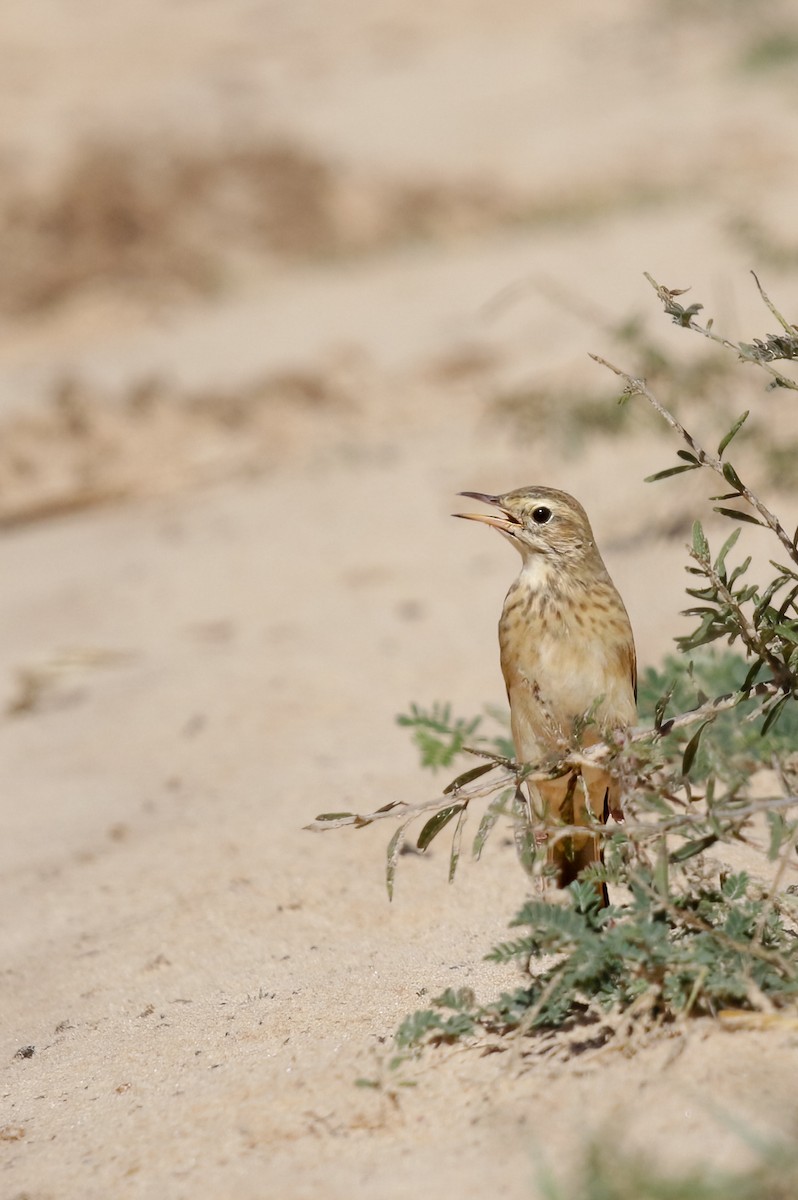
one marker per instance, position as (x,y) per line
(509,774)
(747,632)
(601,750)
(781,380)
(785,324)
(638,387)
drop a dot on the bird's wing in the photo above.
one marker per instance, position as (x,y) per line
(633,667)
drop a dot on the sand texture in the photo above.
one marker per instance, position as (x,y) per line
(278,281)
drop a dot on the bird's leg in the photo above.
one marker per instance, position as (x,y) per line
(581,851)
(565,852)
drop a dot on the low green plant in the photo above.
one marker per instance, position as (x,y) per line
(771,51)
(684,934)
(680,944)
(440,737)
(732,746)
(609,1173)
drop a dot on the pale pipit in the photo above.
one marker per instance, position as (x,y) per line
(568,660)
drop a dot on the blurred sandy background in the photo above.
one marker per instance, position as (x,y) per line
(277,280)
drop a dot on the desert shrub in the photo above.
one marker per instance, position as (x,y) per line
(684,934)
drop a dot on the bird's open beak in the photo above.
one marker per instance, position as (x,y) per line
(506,522)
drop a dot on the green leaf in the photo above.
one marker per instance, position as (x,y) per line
(690,849)
(392,855)
(563,924)
(458,999)
(437,735)
(735,429)
(708,631)
(788,633)
(691,749)
(735,886)
(436,823)
(731,476)
(495,809)
(688,457)
(468,777)
(788,601)
(727,546)
(454,856)
(662,704)
(784,570)
(774,713)
(737,515)
(739,570)
(338,816)
(670,471)
(748,682)
(700,543)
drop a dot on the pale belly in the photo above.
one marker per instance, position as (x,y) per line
(560,678)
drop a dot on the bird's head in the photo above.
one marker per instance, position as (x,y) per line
(539,521)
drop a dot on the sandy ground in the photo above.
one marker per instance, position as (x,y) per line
(269,268)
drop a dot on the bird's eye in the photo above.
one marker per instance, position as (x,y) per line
(541,515)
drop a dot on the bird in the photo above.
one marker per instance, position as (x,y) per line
(569,665)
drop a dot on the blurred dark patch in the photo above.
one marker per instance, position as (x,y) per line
(764,246)
(571,416)
(165,220)
(771,49)
(157,217)
(168,220)
(85,449)
(463,364)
